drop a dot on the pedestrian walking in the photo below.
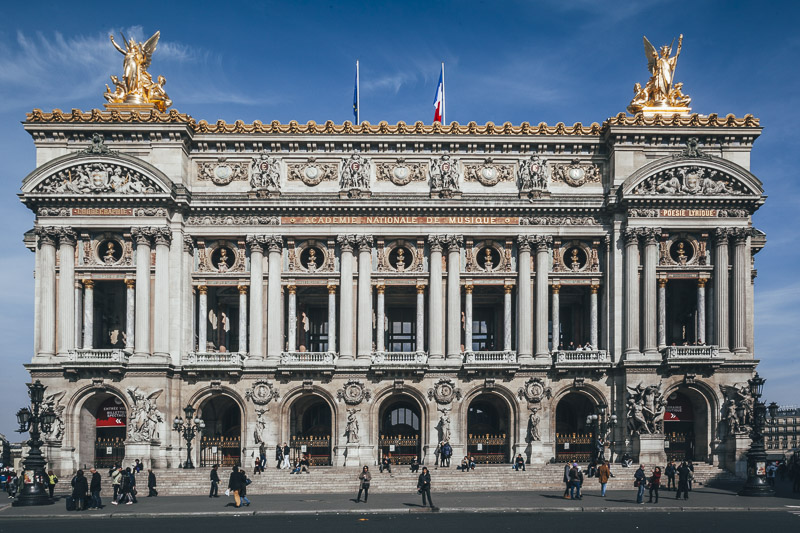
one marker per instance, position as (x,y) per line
(603,474)
(234,486)
(286,452)
(94,490)
(124,487)
(151,484)
(772,469)
(424,486)
(279,456)
(655,484)
(415,464)
(12,483)
(690,465)
(364,478)
(640,481)
(132,477)
(684,475)
(670,473)
(116,479)
(214,491)
(262,454)
(245,481)
(567,468)
(575,482)
(80,487)
(52,479)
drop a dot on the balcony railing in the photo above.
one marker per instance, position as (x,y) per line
(114,355)
(214,359)
(308,358)
(490,358)
(581,356)
(399,358)
(696,354)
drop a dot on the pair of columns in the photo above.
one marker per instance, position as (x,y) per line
(202,318)
(593,316)
(653,301)
(361,353)
(527,244)
(50,240)
(506,317)
(272,244)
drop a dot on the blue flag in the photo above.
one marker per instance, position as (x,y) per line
(356,111)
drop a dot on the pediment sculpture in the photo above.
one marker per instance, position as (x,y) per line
(691,180)
(97,178)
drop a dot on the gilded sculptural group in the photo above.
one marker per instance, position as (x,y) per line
(660,91)
(137,86)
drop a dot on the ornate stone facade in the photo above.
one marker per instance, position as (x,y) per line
(357,298)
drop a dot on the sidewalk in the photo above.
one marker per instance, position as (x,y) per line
(700,499)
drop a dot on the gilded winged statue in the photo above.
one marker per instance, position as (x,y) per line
(137,85)
(660,90)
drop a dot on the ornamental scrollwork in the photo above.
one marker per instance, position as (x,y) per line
(355,175)
(265,174)
(221,172)
(353,392)
(534,390)
(576,174)
(401,173)
(97,178)
(311,173)
(642,213)
(532,174)
(262,392)
(444,391)
(444,175)
(690,181)
(232,220)
(551,220)
(489,173)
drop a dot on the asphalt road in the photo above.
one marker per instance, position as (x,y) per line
(616,522)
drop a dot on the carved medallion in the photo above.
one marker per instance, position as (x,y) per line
(262,393)
(576,173)
(534,390)
(444,391)
(221,172)
(401,173)
(488,174)
(354,392)
(312,173)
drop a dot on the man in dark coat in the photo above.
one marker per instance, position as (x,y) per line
(684,475)
(235,485)
(151,484)
(79,489)
(213,493)
(94,490)
(278,456)
(424,486)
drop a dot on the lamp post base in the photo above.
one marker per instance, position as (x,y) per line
(756,486)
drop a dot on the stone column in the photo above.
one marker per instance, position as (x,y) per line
(274,307)
(420,337)
(331,318)
(66,290)
(650,305)
(555,317)
(741,279)
(47,290)
(468,317)
(524,301)
(435,300)
(594,336)
(454,297)
(242,318)
(292,340)
(721,289)
(631,295)
(662,313)
(256,336)
(202,318)
(542,275)
(346,300)
(364,325)
(163,238)
(701,310)
(506,317)
(88,314)
(143,238)
(78,314)
(130,313)
(380,321)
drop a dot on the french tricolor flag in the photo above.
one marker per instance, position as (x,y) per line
(438,101)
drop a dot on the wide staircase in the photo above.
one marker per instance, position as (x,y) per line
(323,480)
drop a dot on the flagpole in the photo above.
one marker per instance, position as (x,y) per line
(443,98)
(358,95)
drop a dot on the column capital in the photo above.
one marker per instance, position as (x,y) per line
(143,235)
(556,287)
(188,244)
(468,288)
(740,235)
(163,236)
(524,243)
(542,242)
(436,242)
(420,289)
(256,243)
(721,235)
(701,283)
(507,288)
(346,242)
(47,235)
(331,288)
(67,236)
(650,236)
(594,288)
(274,243)
(202,289)
(292,289)
(662,282)
(454,242)
(242,289)
(364,243)
(88,284)
(381,288)
(631,235)
(130,283)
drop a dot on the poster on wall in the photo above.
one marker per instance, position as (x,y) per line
(111,413)
(679,409)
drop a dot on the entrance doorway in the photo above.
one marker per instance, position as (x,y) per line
(400,435)
(574,439)
(310,430)
(220,441)
(103,424)
(679,427)
(488,429)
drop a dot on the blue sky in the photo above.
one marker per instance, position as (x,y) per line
(520,61)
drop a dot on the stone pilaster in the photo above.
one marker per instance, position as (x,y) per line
(435,299)
(256,338)
(524,301)
(555,315)
(662,313)
(420,344)
(78,313)
(144,239)
(66,290)
(507,317)
(594,336)
(454,243)
(364,325)
(163,239)
(88,314)
(274,244)
(242,318)
(631,294)
(331,318)
(721,304)
(130,313)
(741,280)
(380,322)
(202,318)
(701,311)
(468,317)
(47,239)
(543,243)
(346,300)
(649,304)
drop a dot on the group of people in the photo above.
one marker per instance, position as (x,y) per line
(652,482)
(579,348)
(9,481)
(423,484)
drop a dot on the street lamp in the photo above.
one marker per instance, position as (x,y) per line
(35,420)
(756,484)
(603,422)
(188,428)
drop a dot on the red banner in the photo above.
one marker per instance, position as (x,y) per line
(679,409)
(111,414)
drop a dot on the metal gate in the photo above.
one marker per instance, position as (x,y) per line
(220,451)
(488,449)
(676,446)
(317,449)
(109,452)
(402,450)
(574,447)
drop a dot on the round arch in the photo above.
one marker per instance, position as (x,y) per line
(400,407)
(221,440)
(308,424)
(691,439)
(81,427)
(572,438)
(498,445)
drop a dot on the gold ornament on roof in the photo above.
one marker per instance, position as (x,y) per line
(660,95)
(137,88)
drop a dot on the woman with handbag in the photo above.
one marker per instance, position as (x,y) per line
(364,478)
(655,484)
(424,486)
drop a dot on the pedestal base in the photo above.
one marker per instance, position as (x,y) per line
(139,450)
(736,448)
(649,449)
(357,455)
(537,452)
(668,111)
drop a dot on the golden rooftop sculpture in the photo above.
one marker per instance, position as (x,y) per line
(660,96)
(137,88)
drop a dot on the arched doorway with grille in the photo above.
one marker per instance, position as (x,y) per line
(489,429)
(311,429)
(574,438)
(221,438)
(400,429)
(690,422)
(103,422)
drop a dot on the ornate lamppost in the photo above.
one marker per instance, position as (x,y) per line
(603,423)
(188,428)
(756,484)
(36,421)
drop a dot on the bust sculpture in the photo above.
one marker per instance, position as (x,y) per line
(401,263)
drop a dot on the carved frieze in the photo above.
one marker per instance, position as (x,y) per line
(489,173)
(552,220)
(576,174)
(444,391)
(262,392)
(690,181)
(353,392)
(97,178)
(401,173)
(534,390)
(232,220)
(312,173)
(221,172)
